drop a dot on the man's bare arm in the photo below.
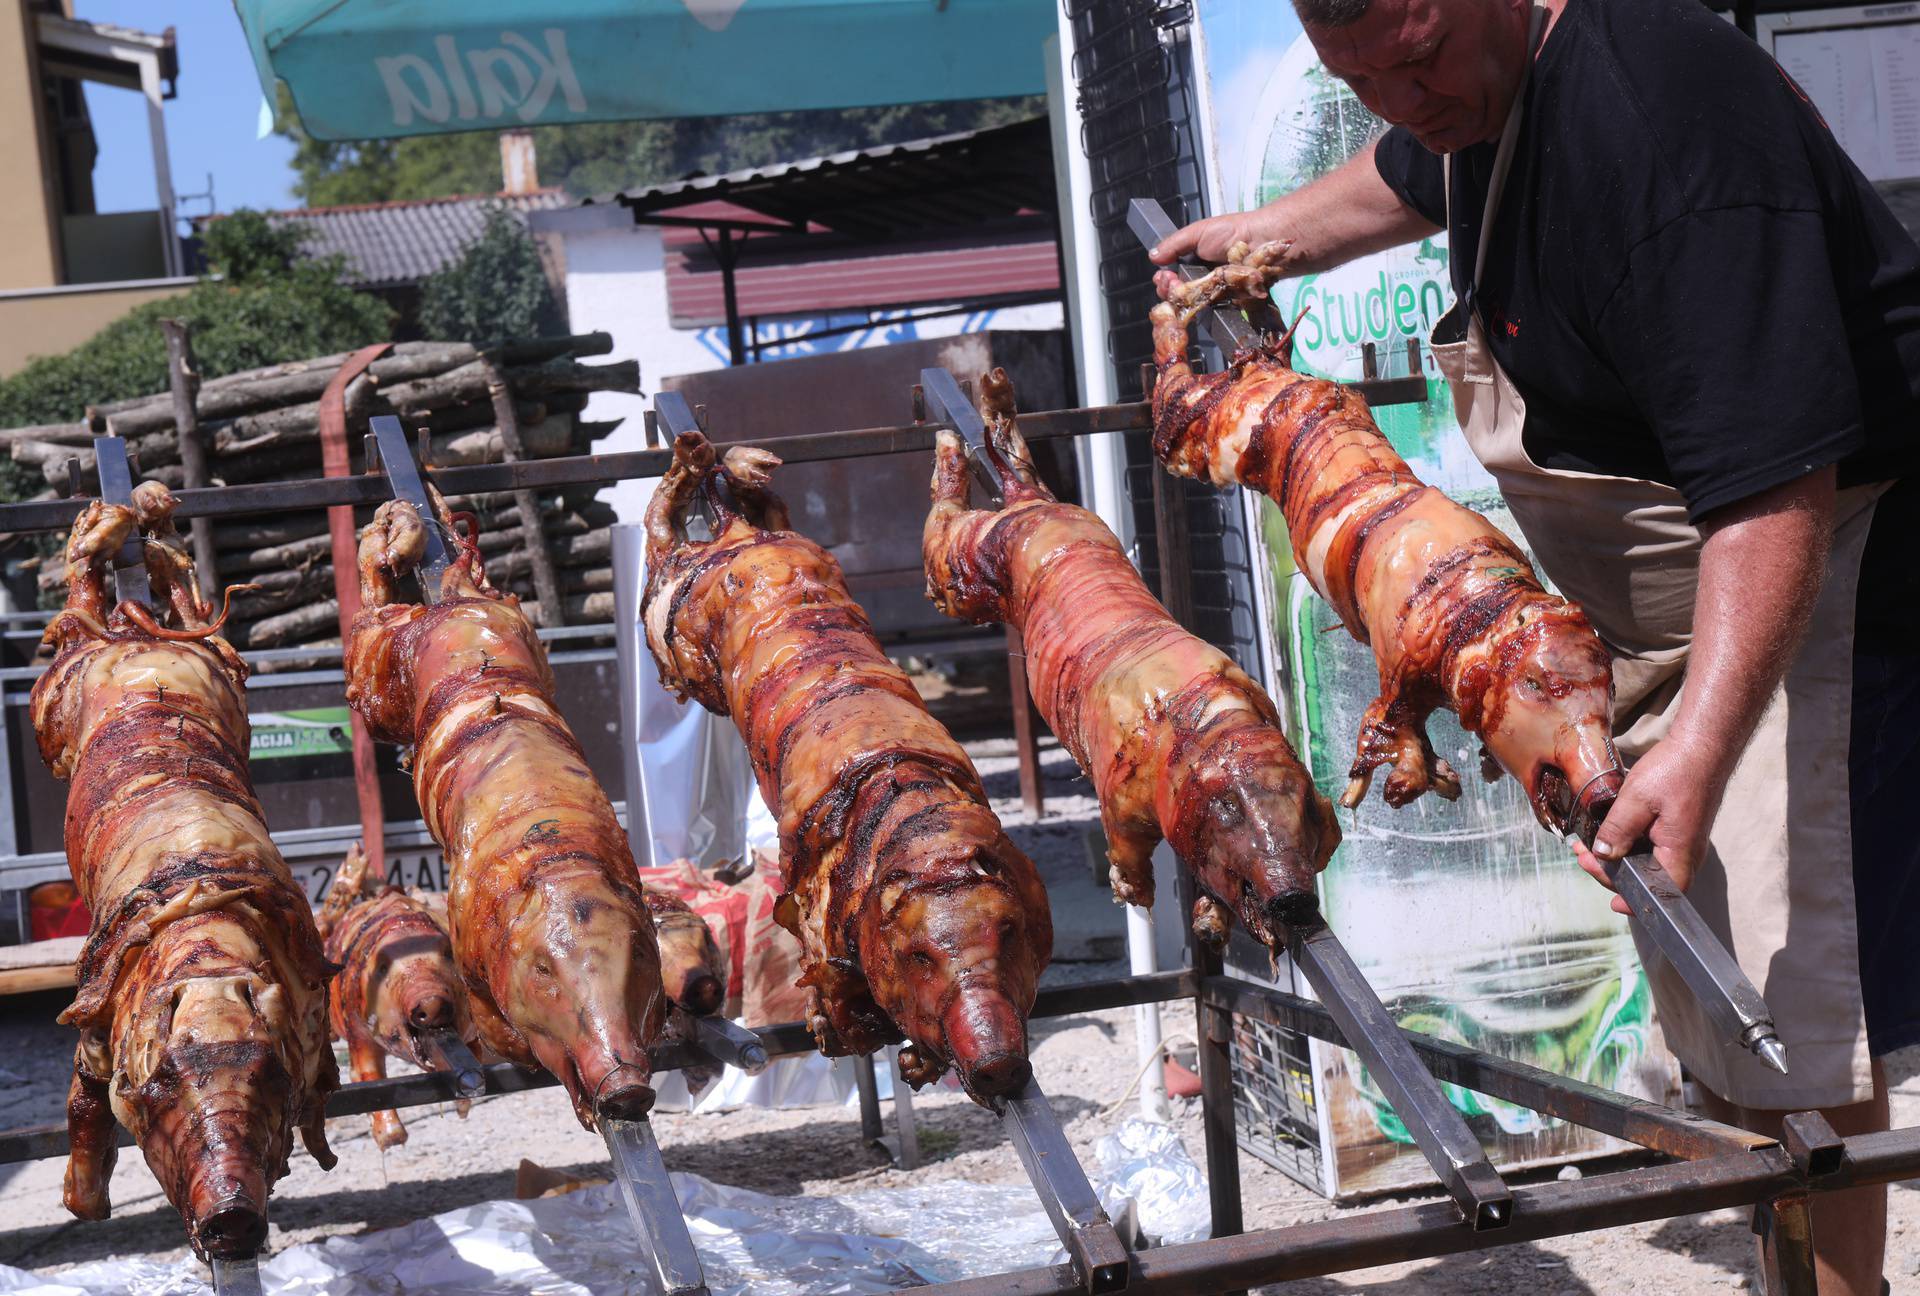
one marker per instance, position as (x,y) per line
(1346,213)
(1761,569)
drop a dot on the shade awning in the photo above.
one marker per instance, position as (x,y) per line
(377,69)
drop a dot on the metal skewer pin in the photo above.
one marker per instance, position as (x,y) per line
(1099,1258)
(403,474)
(237,1277)
(677,417)
(116,487)
(946,403)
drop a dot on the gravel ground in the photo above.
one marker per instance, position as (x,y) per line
(1087,1063)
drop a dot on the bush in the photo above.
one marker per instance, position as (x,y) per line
(495,291)
(270,308)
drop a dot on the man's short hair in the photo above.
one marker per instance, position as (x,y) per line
(1331,13)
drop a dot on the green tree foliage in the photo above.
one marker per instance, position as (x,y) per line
(268,307)
(602,157)
(496,290)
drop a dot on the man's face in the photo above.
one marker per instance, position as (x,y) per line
(1444,69)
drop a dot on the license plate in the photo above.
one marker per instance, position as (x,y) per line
(409,870)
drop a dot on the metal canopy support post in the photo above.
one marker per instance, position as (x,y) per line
(1094,1249)
(237,1277)
(653,1207)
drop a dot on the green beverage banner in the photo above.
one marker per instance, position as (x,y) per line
(1472,922)
(287,735)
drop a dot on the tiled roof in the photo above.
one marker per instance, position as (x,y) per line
(391,244)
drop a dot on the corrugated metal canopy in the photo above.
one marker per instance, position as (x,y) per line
(948,182)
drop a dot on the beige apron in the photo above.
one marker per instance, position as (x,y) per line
(1623,548)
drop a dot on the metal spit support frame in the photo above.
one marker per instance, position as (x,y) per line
(115,468)
(1717,1166)
(644,1185)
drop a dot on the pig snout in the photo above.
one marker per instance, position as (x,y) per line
(986,1036)
(431,1011)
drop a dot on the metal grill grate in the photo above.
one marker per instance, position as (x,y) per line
(1274,1115)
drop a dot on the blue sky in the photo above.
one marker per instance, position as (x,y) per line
(210,125)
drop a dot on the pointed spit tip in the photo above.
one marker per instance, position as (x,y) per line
(1770,1050)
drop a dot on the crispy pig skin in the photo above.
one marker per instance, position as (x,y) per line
(549,927)
(1178,741)
(202,986)
(916,915)
(1450,606)
(397,981)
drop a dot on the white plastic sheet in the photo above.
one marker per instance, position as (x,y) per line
(581,1244)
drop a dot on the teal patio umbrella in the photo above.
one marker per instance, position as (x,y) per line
(376,69)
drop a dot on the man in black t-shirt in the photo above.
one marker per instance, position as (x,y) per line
(1705,327)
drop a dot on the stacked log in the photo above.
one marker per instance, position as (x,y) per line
(264,425)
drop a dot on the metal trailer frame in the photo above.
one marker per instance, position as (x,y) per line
(1714,1166)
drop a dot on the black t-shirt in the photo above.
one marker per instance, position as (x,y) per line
(1689,281)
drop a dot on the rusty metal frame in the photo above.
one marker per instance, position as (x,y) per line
(1715,1166)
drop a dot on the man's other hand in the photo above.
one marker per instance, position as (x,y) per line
(1670,798)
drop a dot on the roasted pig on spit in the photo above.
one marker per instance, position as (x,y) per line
(202,994)
(916,916)
(1178,741)
(550,929)
(1451,607)
(692,970)
(398,986)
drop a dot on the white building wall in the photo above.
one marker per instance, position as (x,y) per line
(616,283)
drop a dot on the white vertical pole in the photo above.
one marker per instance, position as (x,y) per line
(162,167)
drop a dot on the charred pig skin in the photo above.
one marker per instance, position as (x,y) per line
(1179,742)
(1451,607)
(916,915)
(398,981)
(549,926)
(202,992)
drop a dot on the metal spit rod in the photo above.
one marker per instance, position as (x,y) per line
(1729,998)
(116,487)
(729,1044)
(1435,1124)
(453,1056)
(677,416)
(1099,1258)
(1152,226)
(237,1277)
(403,474)
(653,1207)
(945,401)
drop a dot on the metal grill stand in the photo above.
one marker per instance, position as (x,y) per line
(1714,1166)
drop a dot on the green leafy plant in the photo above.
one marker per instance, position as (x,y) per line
(269,306)
(496,290)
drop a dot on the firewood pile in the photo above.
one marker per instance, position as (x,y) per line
(264,425)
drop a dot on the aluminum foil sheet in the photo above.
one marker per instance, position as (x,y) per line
(581,1244)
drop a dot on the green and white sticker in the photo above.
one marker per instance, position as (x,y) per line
(322,731)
